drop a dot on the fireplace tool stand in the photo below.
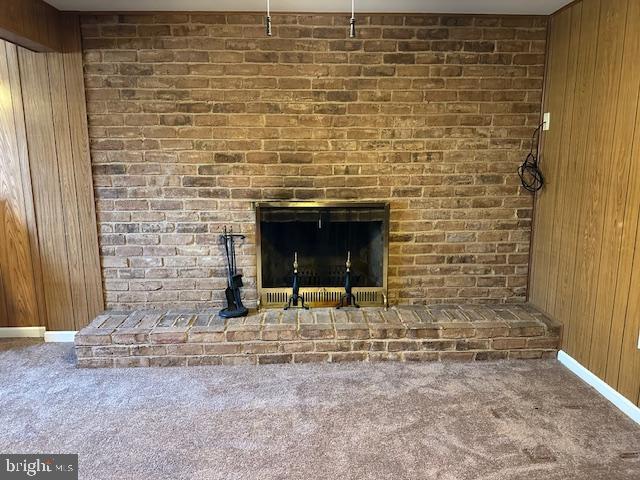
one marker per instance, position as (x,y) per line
(295,296)
(234,307)
(347,299)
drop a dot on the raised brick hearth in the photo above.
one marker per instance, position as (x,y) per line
(415,333)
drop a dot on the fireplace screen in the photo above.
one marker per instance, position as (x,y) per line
(322,237)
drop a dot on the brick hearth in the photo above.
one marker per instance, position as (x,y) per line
(411,333)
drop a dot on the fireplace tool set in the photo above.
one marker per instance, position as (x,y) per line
(234,307)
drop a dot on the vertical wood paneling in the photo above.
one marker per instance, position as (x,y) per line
(18,284)
(77,116)
(624,287)
(68,193)
(49,259)
(618,171)
(629,377)
(585,267)
(572,190)
(599,141)
(545,203)
(23,154)
(567,173)
(59,168)
(590,19)
(4,318)
(47,194)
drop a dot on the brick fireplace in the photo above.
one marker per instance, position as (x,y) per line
(194,117)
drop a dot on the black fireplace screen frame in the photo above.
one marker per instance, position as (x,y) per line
(372,287)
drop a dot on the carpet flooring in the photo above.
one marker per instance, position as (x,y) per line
(505,420)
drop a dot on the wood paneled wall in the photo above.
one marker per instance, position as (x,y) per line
(33,24)
(53,276)
(18,242)
(585,268)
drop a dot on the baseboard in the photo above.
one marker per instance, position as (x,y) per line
(22,332)
(622,403)
(37,332)
(63,336)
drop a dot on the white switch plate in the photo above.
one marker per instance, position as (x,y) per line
(547,121)
(639,341)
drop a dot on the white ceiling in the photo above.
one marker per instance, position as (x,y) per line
(542,7)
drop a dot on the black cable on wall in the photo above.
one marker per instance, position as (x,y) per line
(529,172)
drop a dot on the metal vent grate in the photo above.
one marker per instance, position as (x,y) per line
(322,297)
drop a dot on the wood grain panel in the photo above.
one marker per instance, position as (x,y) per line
(77,116)
(585,263)
(559,289)
(23,154)
(33,24)
(46,189)
(535,290)
(619,170)
(578,110)
(20,302)
(599,134)
(629,379)
(49,260)
(545,203)
(589,21)
(68,193)
(4,317)
(624,287)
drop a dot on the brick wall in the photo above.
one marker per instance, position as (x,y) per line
(193,117)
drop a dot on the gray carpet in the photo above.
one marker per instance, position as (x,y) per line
(507,420)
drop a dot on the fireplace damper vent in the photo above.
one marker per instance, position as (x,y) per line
(322,234)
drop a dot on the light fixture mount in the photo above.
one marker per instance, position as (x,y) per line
(268,20)
(352,22)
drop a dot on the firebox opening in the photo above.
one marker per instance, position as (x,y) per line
(322,236)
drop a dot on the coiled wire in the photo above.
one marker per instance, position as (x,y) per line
(529,172)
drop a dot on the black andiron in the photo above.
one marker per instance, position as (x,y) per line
(347,299)
(234,307)
(295,296)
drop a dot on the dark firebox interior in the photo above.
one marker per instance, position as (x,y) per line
(322,237)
